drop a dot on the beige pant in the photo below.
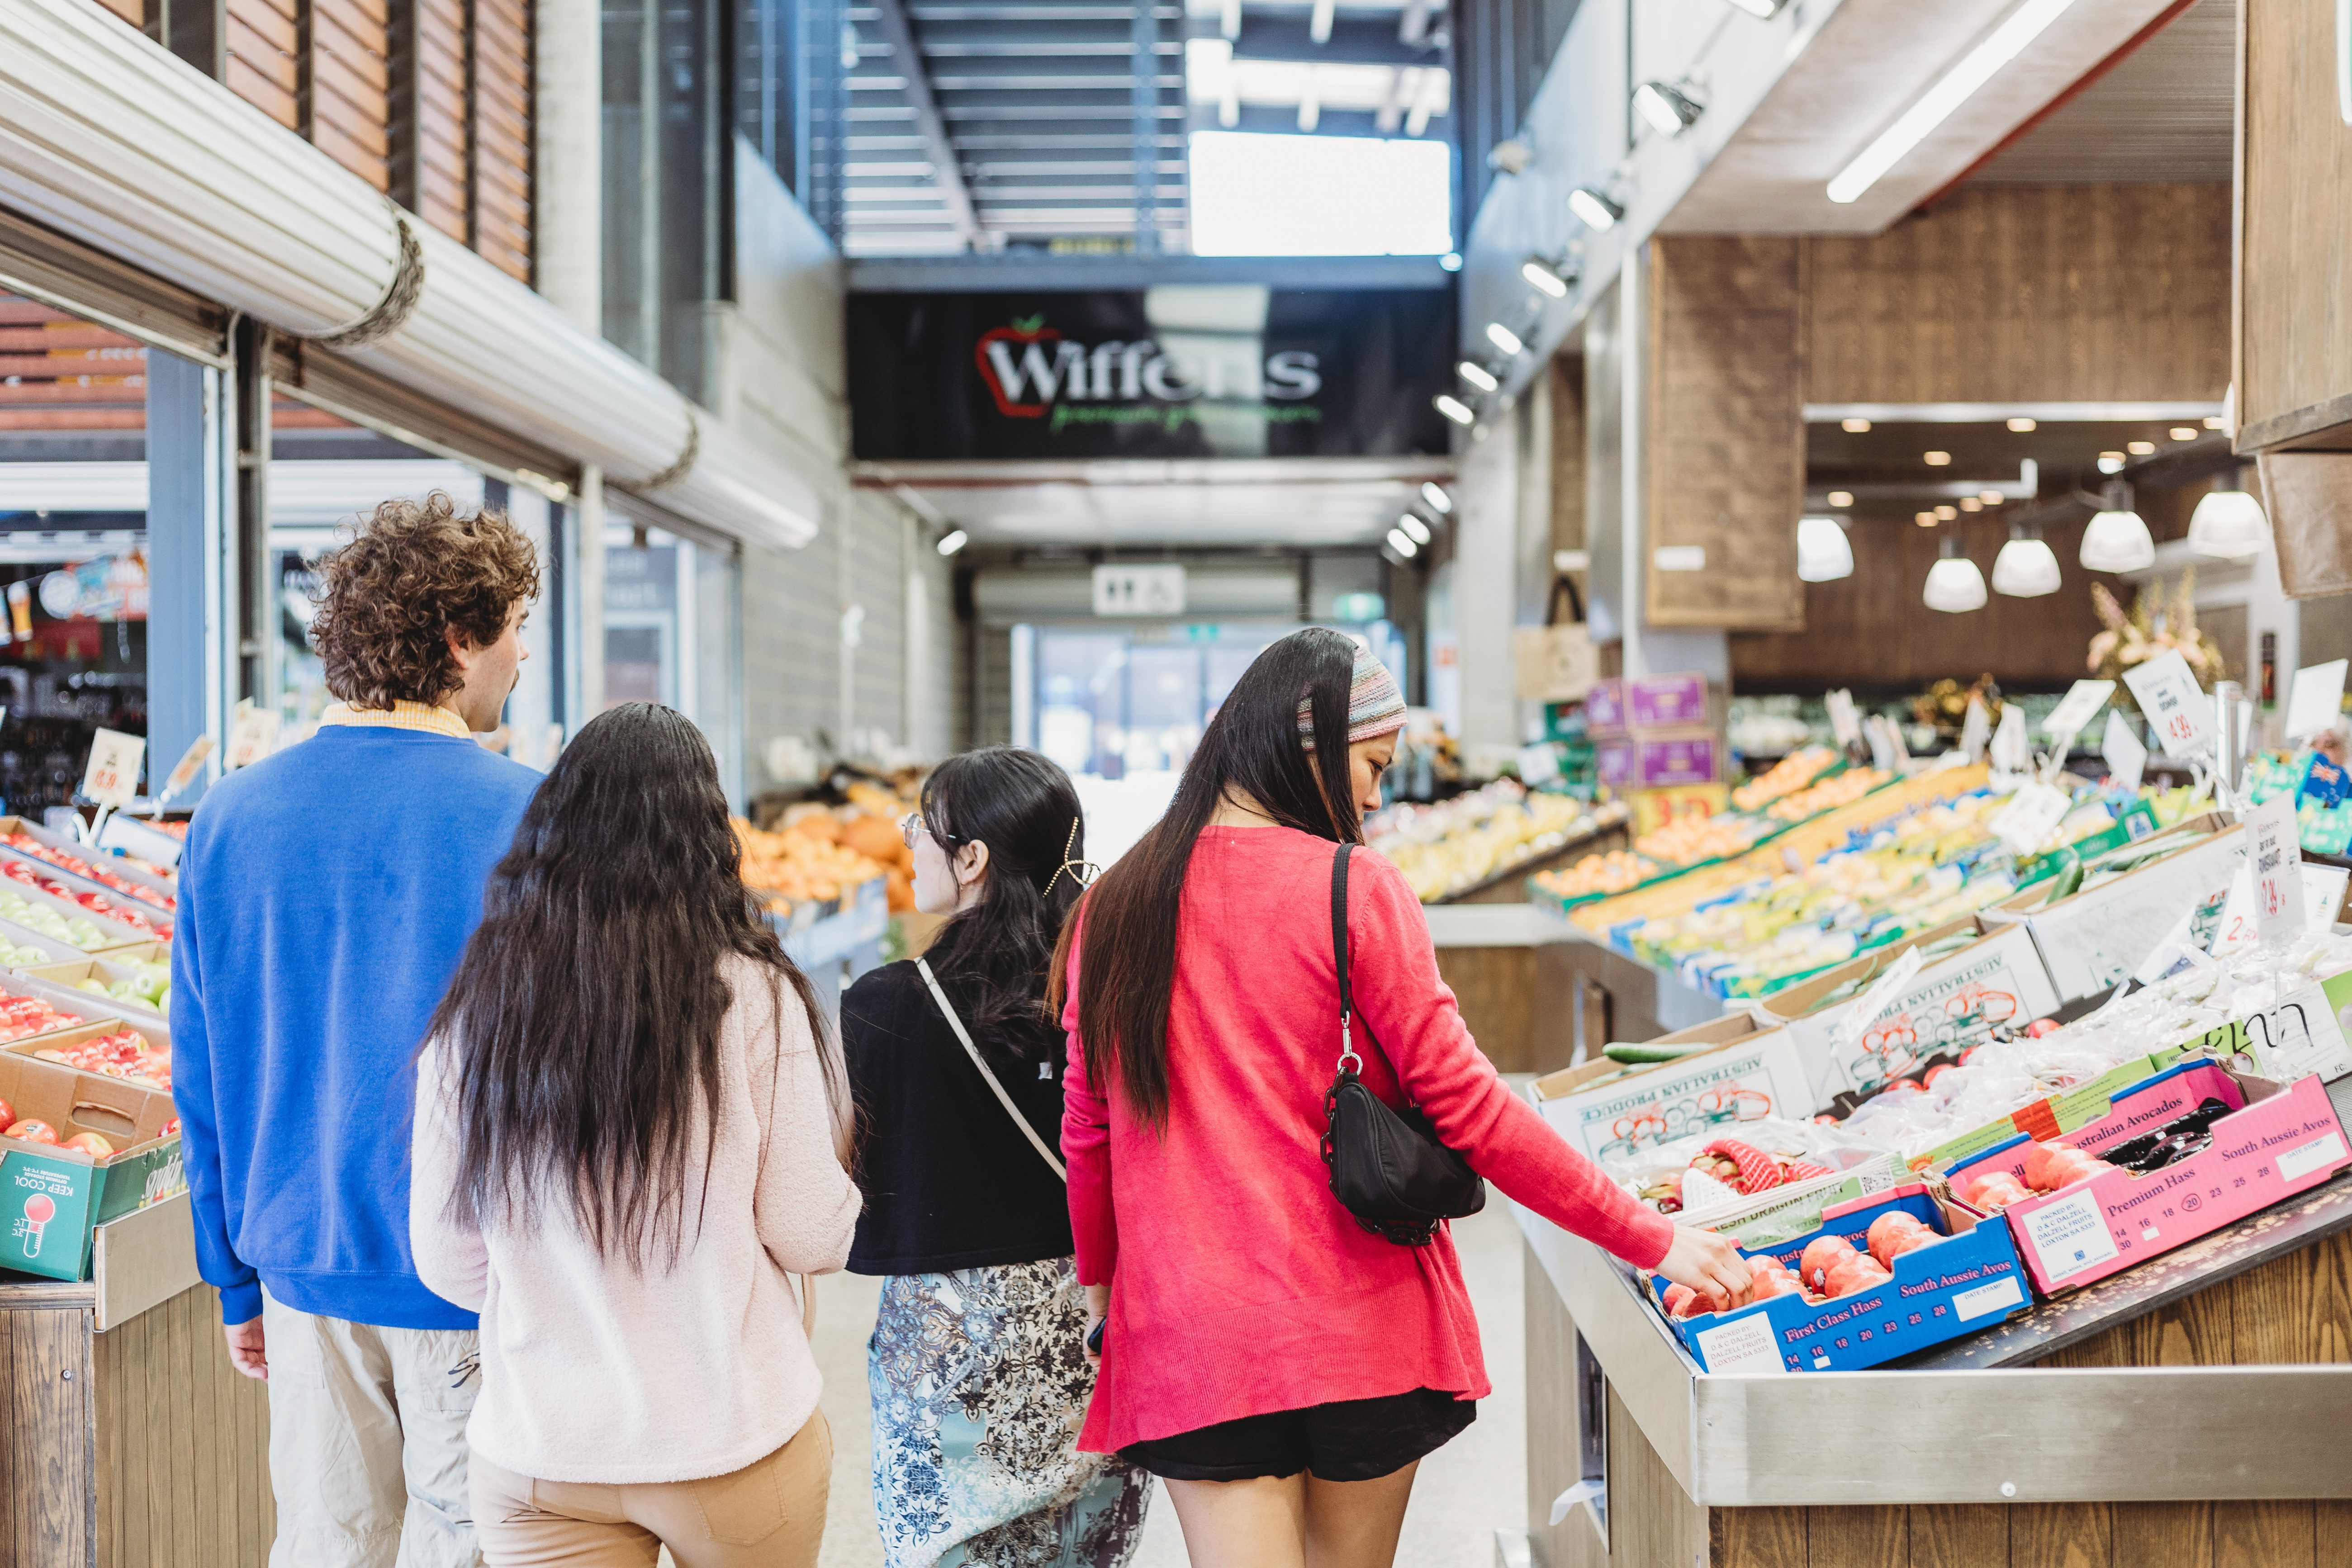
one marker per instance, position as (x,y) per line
(769,1514)
(367,1442)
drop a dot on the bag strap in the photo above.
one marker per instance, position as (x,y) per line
(1339,954)
(1563,584)
(923,967)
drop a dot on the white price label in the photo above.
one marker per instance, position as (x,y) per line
(251,736)
(1843,722)
(2178,713)
(2274,854)
(2082,699)
(2012,752)
(2032,815)
(1976,729)
(2126,758)
(2239,927)
(112,776)
(2316,700)
(184,772)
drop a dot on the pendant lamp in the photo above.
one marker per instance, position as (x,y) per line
(1954,583)
(2026,567)
(2118,541)
(2229,523)
(1824,555)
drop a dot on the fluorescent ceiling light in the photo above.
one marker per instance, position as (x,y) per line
(1841,497)
(1598,212)
(953,541)
(1435,494)
(1414,529)
(1477,376)
(1401,545)
(1855,426)
(2020,424)
(1956,87)
(1762,10)
(1668,109)
(1453,408)
(1502,338)
(1545,276)
(1824,555)
(1261,194)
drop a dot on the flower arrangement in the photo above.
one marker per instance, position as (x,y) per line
(2155,624)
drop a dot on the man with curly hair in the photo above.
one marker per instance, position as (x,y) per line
(327,893)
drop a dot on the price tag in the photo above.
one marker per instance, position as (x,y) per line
(2274,855)
(2237,928)
(2011,752)
(112,776)
(2126,759)
(2178,713)
(1539,764)
(184,772)
(2032,814)
(1843,722)
(1886,751)
(1976,729)
(2316,700)
(2082,699)
(251,736)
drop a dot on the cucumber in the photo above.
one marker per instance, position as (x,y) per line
(2070,882)
(1620,1052)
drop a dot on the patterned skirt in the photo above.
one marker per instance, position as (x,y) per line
(979,1382)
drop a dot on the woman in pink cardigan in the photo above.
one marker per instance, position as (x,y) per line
(1280,1366)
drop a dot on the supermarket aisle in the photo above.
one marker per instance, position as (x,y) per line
(1465,1490)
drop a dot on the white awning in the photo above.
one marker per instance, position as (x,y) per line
(113,139)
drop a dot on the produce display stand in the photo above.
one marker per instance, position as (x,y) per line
(839,939)
(127,1438)
(2193,1411)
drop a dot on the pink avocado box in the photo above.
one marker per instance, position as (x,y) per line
(2276,1139)
(1604,707)
(1666,701)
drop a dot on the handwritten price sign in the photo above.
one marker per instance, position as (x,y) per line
(2275,852)
(2179,713)
(112,776)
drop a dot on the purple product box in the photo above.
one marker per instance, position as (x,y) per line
(1653,761)
(1604,707)
(1667,701)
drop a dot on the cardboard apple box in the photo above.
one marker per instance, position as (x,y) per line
(59,982)
(151,1034)
(130,936)
(2285,1139)
(115,865)
(1749,1072)
(52,1200)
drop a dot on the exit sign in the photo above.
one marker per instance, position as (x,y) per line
(1138,590)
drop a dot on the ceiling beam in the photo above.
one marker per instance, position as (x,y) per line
(899,33)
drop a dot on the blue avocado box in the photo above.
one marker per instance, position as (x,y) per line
(1968,1281)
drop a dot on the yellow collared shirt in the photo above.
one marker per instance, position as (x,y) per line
(401,715)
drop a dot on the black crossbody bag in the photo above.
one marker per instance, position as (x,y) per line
(1388,1169)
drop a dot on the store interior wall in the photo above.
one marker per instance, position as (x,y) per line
(1484,593)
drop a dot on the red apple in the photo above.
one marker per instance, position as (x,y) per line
(7,1114)
(91,1144)
(31,1131)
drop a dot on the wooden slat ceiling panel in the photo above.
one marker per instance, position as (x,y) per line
(59,372)
(277,102)
(132,11)
(354,42)
(351,78)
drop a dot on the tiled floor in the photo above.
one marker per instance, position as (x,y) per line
(1465,1490)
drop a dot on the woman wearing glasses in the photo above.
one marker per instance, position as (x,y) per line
(978,1365)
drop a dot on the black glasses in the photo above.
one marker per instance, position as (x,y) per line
(913,823)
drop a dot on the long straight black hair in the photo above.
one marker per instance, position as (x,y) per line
(992,958)
(584,1021)
(1128,937)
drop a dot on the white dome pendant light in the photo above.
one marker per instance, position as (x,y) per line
(1954,583)
(2026,567)
(1824,555)
(2229,523)
(2117,540)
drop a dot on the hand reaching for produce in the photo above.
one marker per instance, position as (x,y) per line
(1708,1264)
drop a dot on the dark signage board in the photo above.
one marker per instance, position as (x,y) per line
(1190,371)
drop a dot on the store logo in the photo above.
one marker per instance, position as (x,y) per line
(1029,368)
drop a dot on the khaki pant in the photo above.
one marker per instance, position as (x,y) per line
(367,1442)
(769,1514)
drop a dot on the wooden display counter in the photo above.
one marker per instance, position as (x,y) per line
(2195,1412)
(128,1439)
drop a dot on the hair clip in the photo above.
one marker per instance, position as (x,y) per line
(1082,872)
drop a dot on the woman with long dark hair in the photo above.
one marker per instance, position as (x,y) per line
(1279,1364)
(978,1366)
(630,1129)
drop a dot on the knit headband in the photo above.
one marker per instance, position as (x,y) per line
(1375,706)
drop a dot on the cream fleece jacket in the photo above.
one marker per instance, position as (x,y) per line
(598,1372)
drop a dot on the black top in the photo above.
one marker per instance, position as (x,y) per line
(950,1182)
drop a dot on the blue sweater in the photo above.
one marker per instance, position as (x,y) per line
(326,895)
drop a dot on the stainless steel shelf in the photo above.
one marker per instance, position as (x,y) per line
(1991,1434)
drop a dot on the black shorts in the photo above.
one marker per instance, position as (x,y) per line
(1346,1440)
